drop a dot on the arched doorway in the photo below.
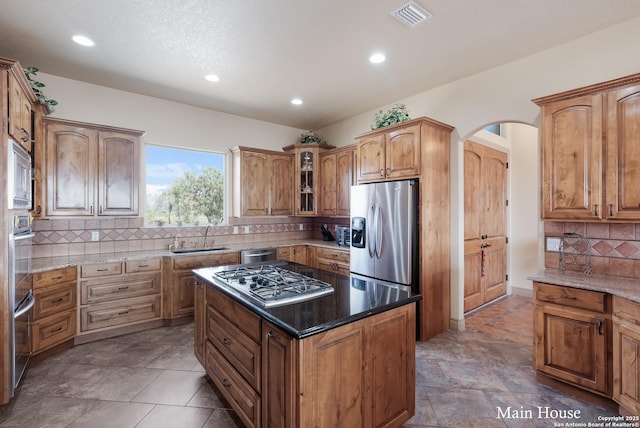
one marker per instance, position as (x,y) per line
(520,257)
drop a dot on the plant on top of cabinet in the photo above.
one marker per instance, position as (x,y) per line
(396,114)
(36,87)
(312,138)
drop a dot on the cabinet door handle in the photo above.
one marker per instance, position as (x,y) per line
(91,209)
(123,288)
(382,173)
(596,209)
(102,270)
(143,266)
(272,335)
(56,330)
(25,138)
(55,278)
(226,383)
(58,300)
(599,326)
(100,210)
(226,341)
(123,313)
(610,210)
(568,297)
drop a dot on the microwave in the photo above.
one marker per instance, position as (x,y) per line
(19,178)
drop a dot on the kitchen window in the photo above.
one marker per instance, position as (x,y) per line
(183,187)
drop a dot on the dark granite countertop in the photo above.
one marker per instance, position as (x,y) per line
(354,298)
(628,288)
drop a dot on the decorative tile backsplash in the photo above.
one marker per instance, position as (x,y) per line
(69,237)
(615,248)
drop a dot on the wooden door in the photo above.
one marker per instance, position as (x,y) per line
(281,179)
(182,294)
(485,196)
(572,159)
(19,114)
(278,378)
(344,180)
(199,321)
(71,154)
(626,365)
(623,153)
(370,160)
(118,174)
(255,185)
(402,152)
(328,184)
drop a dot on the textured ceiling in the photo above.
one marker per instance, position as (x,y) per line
(269,51)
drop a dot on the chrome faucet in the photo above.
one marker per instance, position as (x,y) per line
(206,231)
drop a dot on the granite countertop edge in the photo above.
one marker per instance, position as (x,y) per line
(42,264)
(627,288)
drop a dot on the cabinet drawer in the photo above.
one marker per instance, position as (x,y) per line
(339,256)
(573,297)
(244,400)
(145,265)
(194,262)
(120,312)
(626,310)
(246,321)
(284,253)
(55,276)
(102,269)
(133,285)
(54,299)
(52,330)
(242,352)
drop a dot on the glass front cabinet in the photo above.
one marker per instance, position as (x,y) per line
(307,176)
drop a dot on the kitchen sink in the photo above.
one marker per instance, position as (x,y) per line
(197,250)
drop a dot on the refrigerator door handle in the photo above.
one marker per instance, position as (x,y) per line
(379,223)
(371,219)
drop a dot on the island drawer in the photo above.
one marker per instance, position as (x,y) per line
(133,285)
(100,269)
(53,330)
(54,276)
(243,353)
(144,265)
(120,312)
(574,297)
(242,318)
(244,400)
(54,299)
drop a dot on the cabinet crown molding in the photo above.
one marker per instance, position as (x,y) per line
(424,119)
(586,90)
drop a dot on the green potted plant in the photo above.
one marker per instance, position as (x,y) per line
(396,114)
(312,138)
(36,87)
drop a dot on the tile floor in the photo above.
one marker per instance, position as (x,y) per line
(152,379)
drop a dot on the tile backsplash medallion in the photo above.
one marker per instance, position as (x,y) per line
(73,237)
(615,247)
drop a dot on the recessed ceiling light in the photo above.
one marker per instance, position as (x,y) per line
(212,78)
(296,101)
(377,58)
(82,40)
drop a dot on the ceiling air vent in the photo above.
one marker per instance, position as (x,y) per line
(411,14)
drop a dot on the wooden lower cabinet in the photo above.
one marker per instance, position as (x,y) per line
(117,294)
(332,260)
(359,374)
(626,355)
(199,321)
(295,253)
(54,314)
(179,286)
(572,336)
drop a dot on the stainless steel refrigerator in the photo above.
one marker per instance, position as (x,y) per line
(384,231)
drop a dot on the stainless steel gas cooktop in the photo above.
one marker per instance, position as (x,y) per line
(271,285)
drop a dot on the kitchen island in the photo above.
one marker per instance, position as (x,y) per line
(346,358)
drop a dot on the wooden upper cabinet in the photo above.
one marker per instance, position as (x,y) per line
(623,153)
(390,153)
(91,170)
(118,173)
(262,182)
(336,178)
(590,152)
(572,158)
(20,113)
(71,170)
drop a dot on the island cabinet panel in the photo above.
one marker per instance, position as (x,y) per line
(199,321)
(572,336)
(278,377)
(589,140)
(54,314)
(179,286)
(626,354)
